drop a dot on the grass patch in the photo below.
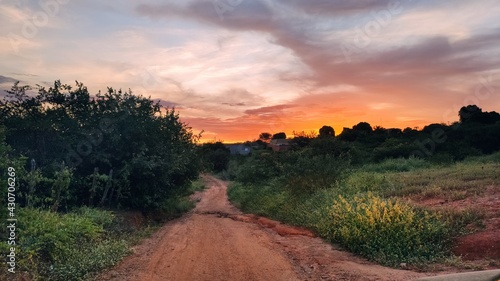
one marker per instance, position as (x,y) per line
(397,165)
(77,245)
(83,262)
(196,185)
(368,212)
(454,182)
(71,246)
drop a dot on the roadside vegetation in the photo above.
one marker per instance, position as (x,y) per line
(369,213)
(366,199)
(82,162)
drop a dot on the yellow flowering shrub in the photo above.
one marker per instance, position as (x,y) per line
(386,230)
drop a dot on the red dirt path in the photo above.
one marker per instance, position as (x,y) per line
(217,242)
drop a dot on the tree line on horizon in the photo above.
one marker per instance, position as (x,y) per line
(476,133)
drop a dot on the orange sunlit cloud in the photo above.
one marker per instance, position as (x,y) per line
(268,66)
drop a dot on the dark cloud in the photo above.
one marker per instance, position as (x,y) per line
(234,104)
(268,110)
(479,41)
(336,7)
(5,79)
(248,15)
(429,61)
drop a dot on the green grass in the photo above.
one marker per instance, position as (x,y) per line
(79,244)
(454,182)
(368,212)
(196,185)
(397,165)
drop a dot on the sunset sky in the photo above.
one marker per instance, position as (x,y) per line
(236,68)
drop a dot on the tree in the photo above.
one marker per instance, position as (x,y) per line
(326,131)
(474,114)
(363,127)
(265,137)
(280,135)
(470,113)
(216,156)
(152,153)
(303,139)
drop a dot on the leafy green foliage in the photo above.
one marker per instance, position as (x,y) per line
(398,165)
(215,156)
(61,185)
(46,237)
(305,172)
(114,149)
(80,264)
(144,150)
(71,246)
(259,168)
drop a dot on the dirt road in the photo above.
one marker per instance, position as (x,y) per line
(217,242)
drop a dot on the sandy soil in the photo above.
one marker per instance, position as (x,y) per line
(217,242)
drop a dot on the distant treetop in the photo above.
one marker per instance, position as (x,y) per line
(280,135)
(326,131)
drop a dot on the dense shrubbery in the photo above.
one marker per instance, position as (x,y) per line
(215,156)
(398,165)
(73,152)
(301,171)
(115,149)
(66,246)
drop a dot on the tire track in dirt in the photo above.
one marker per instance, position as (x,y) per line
(217,242)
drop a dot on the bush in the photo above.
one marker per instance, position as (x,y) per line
(47,236)
(492,158)
(305,173)
(67,246)
(262,200)
(102,218)
(259,168)
(386,230)
(80,262)
(360,181)
(174,207)
(138,151)
(398,165)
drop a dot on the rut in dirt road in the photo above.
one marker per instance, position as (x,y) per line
(217,242)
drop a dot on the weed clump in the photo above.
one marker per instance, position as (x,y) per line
(388,231)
